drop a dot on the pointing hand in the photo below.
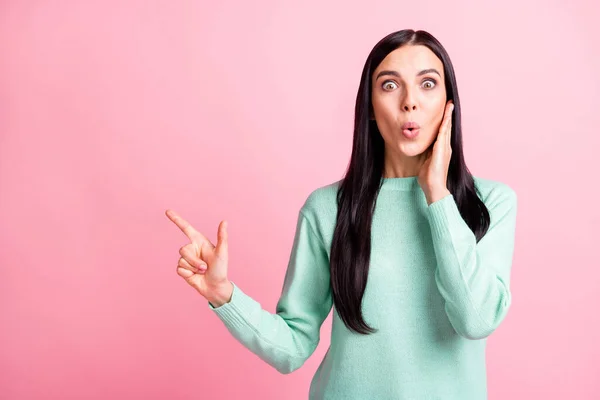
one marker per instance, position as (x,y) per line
(202,264)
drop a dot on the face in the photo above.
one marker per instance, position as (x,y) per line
(402,92)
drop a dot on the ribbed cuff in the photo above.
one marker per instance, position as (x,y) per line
(443,216)
(237,312)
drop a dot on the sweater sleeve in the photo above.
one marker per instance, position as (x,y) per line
(286,339)
(474,278)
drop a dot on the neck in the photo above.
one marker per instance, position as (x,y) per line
(399,165)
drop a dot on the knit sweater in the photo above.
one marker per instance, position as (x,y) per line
(433,293)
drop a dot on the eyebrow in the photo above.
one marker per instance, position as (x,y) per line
(395,73)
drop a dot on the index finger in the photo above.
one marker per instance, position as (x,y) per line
(185,226)
(448,113)
(447,122)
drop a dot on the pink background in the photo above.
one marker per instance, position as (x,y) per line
(112,112)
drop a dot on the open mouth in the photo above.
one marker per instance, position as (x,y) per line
(411,133)
(410,125)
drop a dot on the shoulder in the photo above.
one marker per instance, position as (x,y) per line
(320,208)
(495,194)
(322,199)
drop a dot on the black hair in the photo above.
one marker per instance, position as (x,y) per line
(358,190)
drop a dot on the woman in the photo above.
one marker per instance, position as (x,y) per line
(412,250)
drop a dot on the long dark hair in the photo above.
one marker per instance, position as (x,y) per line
(358,190)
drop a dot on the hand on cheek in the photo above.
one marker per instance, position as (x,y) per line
(433,175)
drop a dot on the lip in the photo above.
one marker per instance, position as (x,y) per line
(410,125)
(410,133)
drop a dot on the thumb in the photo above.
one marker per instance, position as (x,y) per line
(221,249)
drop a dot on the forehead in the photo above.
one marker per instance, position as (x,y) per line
(409,60)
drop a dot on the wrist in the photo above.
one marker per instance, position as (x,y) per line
(221,294)
(437,194)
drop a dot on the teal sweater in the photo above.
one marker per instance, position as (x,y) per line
(433,292)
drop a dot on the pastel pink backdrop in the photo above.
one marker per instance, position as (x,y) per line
(112,112)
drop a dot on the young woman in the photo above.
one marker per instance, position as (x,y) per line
(412,251)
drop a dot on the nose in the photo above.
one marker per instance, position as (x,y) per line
(409,103)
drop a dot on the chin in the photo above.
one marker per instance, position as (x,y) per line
(412,148)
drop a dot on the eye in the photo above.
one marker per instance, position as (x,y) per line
(430,80)
(388,82)
(386,85)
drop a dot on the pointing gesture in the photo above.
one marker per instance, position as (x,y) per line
(202,264)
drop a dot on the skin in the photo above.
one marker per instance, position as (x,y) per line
(409,96)
(202,264)
(395,100)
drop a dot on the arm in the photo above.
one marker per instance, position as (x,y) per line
(474,278)
(287,338)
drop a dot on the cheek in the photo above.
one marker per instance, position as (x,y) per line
(431,136)
(436,120)
(433,128)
